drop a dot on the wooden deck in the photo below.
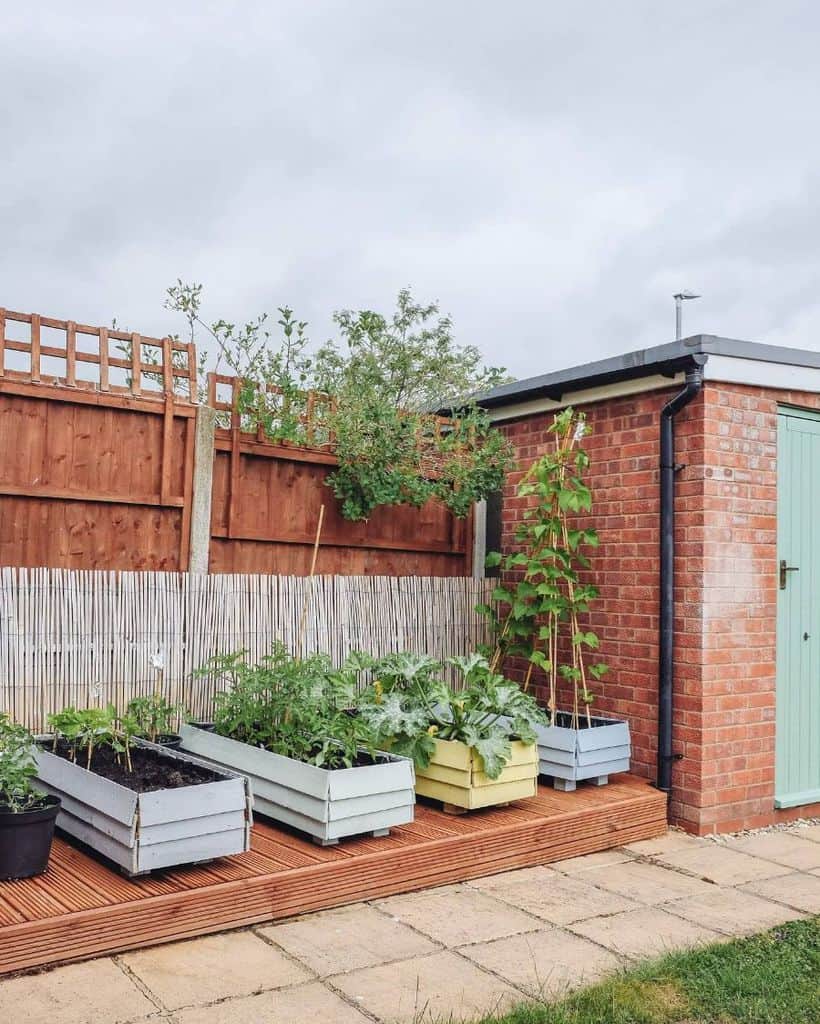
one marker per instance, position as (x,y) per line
(81,908)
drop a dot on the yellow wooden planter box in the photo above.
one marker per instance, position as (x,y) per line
(456,776)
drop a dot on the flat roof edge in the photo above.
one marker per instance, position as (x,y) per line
(667,359)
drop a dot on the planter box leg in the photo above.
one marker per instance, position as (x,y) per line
(453,809)
(564,785)
(600,780)
(324,842)
(381,832)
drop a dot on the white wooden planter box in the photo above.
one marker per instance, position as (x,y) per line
(142,832)
(572,755)
(328,805)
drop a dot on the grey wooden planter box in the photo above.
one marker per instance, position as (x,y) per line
(328,805)
(144,831)
(571,755)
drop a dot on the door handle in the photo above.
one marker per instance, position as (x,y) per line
(784,568)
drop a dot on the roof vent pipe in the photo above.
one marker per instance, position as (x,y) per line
(692,388)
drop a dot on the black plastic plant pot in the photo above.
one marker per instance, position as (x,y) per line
(171,740)
(25,839)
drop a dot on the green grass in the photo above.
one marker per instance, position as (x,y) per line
(773,978)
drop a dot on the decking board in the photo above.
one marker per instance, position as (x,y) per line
(82,908)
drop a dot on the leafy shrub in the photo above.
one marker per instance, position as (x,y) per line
(380,389)
(17,768)
(297,707)
(409,706)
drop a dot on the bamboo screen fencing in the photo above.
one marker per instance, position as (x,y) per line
(89,638)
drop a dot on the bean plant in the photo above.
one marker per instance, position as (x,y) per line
(17,768)
(409,706)
(539,605)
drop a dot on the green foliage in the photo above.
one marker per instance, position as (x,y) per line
(765,979)
(84,731)
(154,716)
(17,768)
(409,706)
(296,707)
(388,380)
(543,594)
(276,370)
(384,383)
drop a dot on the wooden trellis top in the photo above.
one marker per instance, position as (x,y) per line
(309,409)
(167,364)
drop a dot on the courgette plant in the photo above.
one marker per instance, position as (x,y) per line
(409,706)
(538,606)
(17,768)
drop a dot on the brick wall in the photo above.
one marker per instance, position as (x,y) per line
(725,592)
(740,609)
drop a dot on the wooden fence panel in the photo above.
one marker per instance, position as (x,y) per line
(98,473)
(90,638)
(266,503)
(93,486)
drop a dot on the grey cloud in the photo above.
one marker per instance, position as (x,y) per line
(551,173)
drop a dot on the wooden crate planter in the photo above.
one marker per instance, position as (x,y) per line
(456,776)
(142,832)
(327,805)
(572,755)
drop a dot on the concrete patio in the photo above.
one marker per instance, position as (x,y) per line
(450,953)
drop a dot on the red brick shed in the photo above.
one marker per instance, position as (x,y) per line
(745,636)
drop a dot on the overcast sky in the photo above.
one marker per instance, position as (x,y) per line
(549,172)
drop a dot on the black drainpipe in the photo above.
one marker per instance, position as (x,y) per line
(694,383)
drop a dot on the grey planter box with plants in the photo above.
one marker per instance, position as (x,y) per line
(539,609)
(327,804)
(144,831)
(592,753)
(313,764)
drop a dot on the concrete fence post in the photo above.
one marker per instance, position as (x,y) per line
(202,489)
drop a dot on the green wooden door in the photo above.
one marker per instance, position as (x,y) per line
(798,609)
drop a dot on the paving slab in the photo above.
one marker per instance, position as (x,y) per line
(348,939)
(552,896)
(783,847)
(296,1005)
(670,842)
(97,992)
(545,964)
(441,987)
(733,912)
(799,890)
(215,967)
(647,883)
(642,933)
(809,832)
(721,864)
(589,861)
(453,915)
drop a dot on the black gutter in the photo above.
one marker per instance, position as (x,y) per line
(694,383)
